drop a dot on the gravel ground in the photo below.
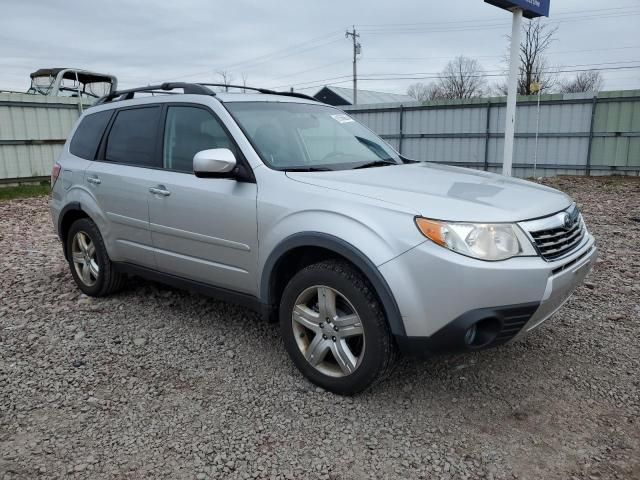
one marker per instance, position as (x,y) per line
(159,383)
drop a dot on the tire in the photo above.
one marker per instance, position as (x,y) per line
(89,262)
(353,349)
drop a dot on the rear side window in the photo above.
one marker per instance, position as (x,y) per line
(85,141)
(132,138)
(187,131)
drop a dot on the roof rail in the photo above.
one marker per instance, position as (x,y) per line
(226,85)
(261,90)
(188,88)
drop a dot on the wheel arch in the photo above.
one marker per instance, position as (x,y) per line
(299,250)
(70,213)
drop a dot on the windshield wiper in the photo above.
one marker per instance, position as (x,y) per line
(376,163)
(307,169)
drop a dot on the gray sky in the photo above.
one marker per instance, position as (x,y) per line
(300,43)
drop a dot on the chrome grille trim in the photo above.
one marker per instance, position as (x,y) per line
(552,238)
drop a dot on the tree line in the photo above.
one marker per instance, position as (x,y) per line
(464,77)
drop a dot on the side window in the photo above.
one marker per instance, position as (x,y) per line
(187,131)
(87,137)
(133,136)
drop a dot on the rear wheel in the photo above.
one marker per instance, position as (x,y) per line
(89,262)
(334,328)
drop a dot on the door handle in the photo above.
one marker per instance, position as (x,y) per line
(160,190)
(94,180)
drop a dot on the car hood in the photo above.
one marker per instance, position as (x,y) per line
(444,192)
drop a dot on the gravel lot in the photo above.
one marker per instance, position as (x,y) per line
(159,383)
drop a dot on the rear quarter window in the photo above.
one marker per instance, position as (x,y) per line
(133,136)
(87,136)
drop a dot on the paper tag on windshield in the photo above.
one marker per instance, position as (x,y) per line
(342,118)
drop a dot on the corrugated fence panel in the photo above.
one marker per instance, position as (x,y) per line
(36,123)
(33,129)
(24,161)
(382,124)
(634,152)
(432,121)
(455,132)
(449,150)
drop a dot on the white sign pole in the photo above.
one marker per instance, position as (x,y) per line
(514,63)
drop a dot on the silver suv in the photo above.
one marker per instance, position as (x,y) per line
(293,208)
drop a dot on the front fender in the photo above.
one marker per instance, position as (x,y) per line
(346,250)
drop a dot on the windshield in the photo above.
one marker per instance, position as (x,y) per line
(69,87)
(300,136)
(42,85)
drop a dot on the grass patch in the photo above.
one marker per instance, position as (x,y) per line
(24,191)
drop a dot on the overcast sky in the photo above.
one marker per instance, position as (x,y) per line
(300,43)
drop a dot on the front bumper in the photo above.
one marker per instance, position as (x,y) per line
(440,294)
(560,286)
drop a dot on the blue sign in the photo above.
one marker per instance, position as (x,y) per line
(530,8)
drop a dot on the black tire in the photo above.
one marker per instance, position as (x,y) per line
(108,279)
(379,351)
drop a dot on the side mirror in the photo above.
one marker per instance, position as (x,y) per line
(215,162)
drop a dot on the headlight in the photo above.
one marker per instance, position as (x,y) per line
(485,241)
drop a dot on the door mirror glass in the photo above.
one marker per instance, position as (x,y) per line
(214,162)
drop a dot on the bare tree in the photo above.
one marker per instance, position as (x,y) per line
(244,80)
(463,77)
(425,92)
(537,37)
(590,81)
(227,78)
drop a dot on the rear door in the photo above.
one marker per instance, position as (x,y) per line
(120,182)
(203,229)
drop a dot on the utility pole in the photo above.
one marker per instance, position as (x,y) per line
(514,63)
(518,8)
(356,50)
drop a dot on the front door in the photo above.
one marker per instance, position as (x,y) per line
(203,229)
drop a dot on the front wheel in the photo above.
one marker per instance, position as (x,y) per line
(334,328)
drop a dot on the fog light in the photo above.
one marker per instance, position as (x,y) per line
(482,333)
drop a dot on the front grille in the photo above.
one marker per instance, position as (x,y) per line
(556,242)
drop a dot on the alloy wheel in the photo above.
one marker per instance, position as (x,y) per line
(83,254)
(328,331)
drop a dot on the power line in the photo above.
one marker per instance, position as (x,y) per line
(437,58)
(296,51)
(457,26)
(293,74)
(627,67)
(485,75)
(437,75)
(372,59)
(494,26)
(476,21)
(276,54)
(548,70)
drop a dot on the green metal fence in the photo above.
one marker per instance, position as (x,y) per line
(561,134)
